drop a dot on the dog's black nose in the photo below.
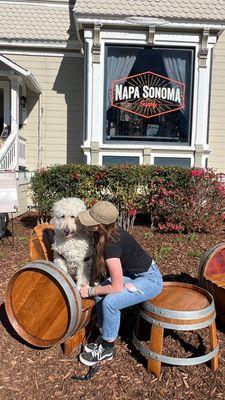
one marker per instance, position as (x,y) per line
(66,231)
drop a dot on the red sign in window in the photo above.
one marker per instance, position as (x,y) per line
(148,94)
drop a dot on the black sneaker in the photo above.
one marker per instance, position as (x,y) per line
(93,346)
(95,356)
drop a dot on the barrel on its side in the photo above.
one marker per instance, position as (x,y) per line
(212,276)
(44,305)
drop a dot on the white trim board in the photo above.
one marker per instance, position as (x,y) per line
(73,45)
(156,22)
(166,37)
(43,53)
(141,146)
(48,3)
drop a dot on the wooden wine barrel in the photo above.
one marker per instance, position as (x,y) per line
(40,242)
(44,305)
(212,276)
(179,307)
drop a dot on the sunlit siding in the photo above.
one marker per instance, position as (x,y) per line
(61,125)
(217,109)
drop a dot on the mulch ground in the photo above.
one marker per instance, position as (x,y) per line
(27,373)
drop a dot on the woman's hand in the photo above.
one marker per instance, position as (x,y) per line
(84,291)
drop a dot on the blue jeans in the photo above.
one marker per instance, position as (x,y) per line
(146,286)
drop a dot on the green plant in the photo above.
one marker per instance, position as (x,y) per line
(148,235)
(192,237)
(23,238)
(194,253)
(163,252)
(177,239)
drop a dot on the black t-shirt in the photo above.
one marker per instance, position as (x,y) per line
(132,256)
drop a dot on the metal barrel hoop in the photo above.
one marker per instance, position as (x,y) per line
(146,352)
(178,327)
(189,315)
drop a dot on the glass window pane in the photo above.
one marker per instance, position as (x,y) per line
(108,160)
(148,94)
(172,161)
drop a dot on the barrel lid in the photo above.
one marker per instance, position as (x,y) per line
(42,303)
(181,300)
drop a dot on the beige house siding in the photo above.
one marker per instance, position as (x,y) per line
(217,109)
(59,110)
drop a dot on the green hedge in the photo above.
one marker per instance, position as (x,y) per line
(176,199)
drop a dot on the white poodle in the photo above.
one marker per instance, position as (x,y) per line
(72,242)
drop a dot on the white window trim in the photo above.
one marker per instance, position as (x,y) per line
(95,87)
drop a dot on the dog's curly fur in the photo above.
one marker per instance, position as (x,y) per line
(72,242)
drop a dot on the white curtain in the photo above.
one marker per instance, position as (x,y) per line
(176,67)
(119,66)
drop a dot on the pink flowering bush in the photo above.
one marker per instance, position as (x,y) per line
(192,206)
(175,199)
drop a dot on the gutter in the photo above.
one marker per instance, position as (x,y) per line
(34,83)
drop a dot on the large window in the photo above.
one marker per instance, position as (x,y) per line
(148,94)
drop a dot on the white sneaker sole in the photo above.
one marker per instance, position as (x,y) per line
(90,363)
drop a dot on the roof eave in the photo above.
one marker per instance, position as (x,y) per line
(163,23)
(63,44)
(25,74)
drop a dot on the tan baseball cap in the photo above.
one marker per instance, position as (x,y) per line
(103,212)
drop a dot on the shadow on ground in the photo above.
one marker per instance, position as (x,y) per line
(4,320)
(29,221)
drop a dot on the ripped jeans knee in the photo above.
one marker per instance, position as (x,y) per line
(143,287)
(132,288)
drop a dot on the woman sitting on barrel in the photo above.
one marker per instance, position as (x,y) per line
(133,277)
